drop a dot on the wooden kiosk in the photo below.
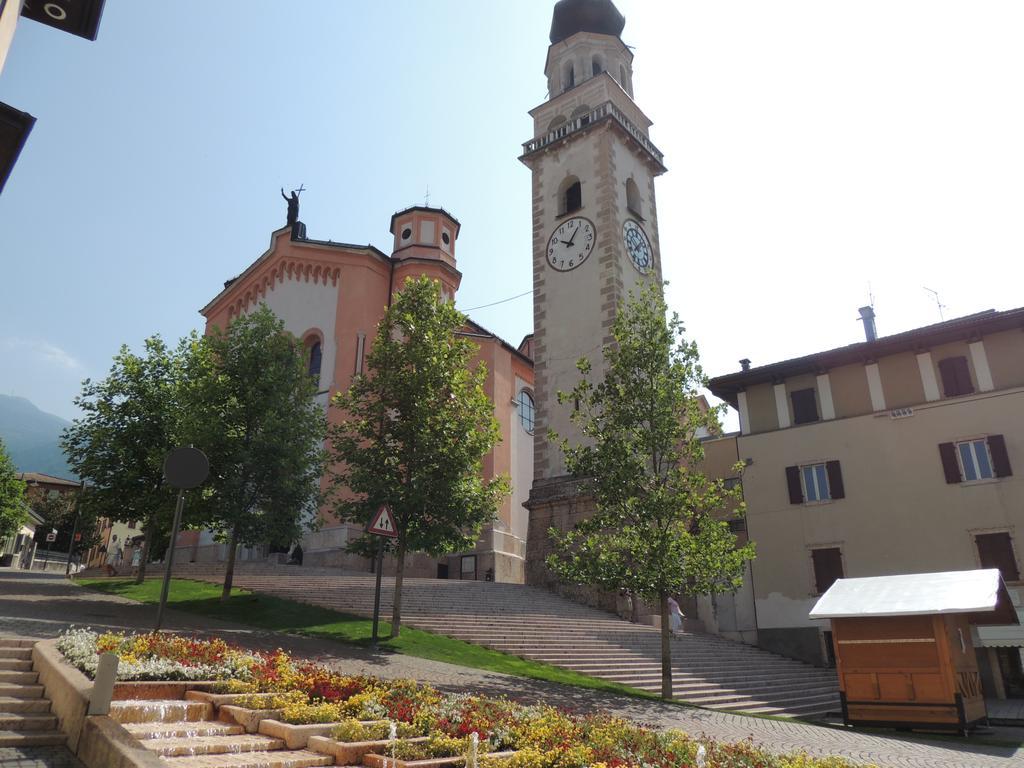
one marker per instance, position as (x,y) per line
(903,646)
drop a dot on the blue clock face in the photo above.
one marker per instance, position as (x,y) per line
(638,247)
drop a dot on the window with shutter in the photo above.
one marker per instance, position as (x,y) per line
(1000,458)
(796,491)
(828,566)
(835,480)
(805,409)
(995,550)
(956,376)
(950,464)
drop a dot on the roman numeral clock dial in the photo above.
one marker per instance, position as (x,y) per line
(571,243)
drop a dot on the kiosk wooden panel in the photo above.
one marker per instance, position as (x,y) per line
(908,671)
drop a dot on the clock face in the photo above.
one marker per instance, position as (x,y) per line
(571,243)
(638,247)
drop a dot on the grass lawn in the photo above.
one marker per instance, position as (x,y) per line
(279,615)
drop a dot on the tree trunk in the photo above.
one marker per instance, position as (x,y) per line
(229,570)
(396,605)
(149,531)
(666,649)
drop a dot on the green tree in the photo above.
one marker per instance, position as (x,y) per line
(252,410)
(413,430)
(13,507)
(131,421)
(658,529)
(63,512)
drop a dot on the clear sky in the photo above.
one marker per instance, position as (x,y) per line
(815,148)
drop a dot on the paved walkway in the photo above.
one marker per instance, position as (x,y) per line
(41,605)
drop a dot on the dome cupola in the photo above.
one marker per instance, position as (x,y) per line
(572,16)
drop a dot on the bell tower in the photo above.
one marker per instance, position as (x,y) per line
(595,232)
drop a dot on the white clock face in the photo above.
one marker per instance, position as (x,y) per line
(571,243)
(638,247)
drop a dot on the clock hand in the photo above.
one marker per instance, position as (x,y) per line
(573,236)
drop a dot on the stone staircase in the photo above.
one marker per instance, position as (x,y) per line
(708,670)
(25,718)
(187,734)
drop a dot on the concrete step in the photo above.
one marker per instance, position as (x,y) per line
(8,652)
(212,745)
(182,730)
(18,721)
(11,704)
(16,665)
(292,759)
(16,642)
(160,711)
(31,738)
(17,677)
(20,691)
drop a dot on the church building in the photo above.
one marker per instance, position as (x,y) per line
(332,296)
(595,239)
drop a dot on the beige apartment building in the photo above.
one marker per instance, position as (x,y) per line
(891,456)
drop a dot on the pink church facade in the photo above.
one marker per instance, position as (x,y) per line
(332,296)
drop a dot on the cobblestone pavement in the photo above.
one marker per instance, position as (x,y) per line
(41,605)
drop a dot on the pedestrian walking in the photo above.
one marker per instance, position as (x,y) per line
(675,615)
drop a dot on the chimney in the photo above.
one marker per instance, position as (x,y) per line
(867,316)
(745,364)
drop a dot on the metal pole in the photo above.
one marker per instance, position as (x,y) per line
(376,594)
(170,559)
(74,528)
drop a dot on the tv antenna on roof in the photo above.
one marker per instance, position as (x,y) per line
(938,303)
(426,198)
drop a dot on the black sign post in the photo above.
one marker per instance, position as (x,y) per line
(383,526)
(184,468)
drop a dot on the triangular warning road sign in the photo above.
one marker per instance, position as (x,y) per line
(383,524)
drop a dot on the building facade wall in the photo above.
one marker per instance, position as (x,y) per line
(898,514)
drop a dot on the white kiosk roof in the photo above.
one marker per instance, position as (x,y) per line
(913,594)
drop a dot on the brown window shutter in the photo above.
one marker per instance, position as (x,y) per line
(796,491)
(835,480)
(805,408)
(956,376)
(1000,458)
(828,566)
(995,550)
(950,465)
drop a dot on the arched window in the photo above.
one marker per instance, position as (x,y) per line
(570,195)
(597,65)
(315,360)
(582,112)
(633,197)
(524,404)
(556,123)
(622,79)
(569,75)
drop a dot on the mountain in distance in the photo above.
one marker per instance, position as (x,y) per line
(32,437)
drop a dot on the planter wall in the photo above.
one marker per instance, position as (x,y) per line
(247,718)
(350,752)
(295,736)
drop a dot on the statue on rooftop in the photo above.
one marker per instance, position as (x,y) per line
(293,204)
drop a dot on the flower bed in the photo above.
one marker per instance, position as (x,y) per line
(403,719)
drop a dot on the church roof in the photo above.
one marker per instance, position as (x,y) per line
(572,16)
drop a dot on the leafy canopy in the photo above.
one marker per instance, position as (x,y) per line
(13,507)
(413,430)
(130,421)
(659,526)
(252,409)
